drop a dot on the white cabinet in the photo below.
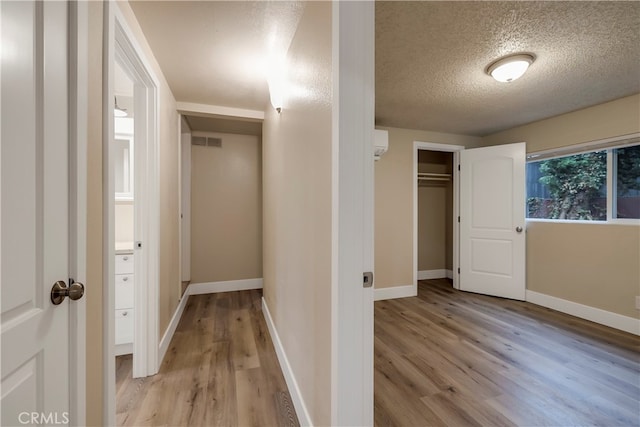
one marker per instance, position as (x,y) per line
(124,292)
(124,330)
(124,263)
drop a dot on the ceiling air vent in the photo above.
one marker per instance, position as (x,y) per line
(206,141)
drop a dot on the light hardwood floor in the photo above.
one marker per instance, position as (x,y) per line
(460,359)
(442,358)
(220,370)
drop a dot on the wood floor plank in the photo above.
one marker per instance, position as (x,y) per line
(220,370)
(412,381)
(499,362)
(393,408)
(221,407)
(243,346)
(254,400)
(285,410)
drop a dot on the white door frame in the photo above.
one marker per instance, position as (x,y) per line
(185,202)
(352,213)
(78,127)
(455,149)
(121,43)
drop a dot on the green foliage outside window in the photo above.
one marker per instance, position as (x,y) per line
(628,182)
(575,187)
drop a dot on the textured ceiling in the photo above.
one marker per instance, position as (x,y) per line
(214,52)
(430,57)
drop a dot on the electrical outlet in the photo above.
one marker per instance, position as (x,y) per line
(638,303)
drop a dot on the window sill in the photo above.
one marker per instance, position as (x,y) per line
(582,221)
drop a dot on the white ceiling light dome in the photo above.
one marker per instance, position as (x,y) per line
(510,67)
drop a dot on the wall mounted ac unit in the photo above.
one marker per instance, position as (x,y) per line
(380,143)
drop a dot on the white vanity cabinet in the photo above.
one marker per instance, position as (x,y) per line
(124,291)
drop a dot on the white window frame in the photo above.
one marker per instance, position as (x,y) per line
(609,145)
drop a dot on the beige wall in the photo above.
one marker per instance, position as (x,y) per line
(226,209)
(594,265)
(591,264)
(394,203)
(297,212)
(619,117)
(168,154)
(435,213)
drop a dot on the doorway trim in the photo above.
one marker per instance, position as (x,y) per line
(78,102)
(449,148)
(120,43)
(353,105)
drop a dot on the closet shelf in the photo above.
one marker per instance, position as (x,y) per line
(427,176)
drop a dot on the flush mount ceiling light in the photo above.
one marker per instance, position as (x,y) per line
(510,68)
(117,111)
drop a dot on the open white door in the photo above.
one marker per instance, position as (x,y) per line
(35,223)
(492,220)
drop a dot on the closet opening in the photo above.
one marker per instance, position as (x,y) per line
(435,215)
(436,210)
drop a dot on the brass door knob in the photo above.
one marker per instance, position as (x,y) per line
(60,291)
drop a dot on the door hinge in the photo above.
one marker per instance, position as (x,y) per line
(458,219)
(458,167)
(458,270)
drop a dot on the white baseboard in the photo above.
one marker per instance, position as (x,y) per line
(395,292)
(199,289)
(122,349)
(433,274)
(603,317)
(294,390)
(171,329)
(450,274)
(227,286)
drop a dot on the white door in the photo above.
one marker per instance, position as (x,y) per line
(492,220)
(35,212)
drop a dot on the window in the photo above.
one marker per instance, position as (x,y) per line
(627,182)
(591,186)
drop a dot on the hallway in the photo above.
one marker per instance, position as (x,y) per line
(220,369)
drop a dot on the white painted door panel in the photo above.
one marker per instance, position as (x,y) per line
(492,209)
(35,211)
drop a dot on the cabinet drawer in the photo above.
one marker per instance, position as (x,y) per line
(124,291)
(124,264)
(124,326)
